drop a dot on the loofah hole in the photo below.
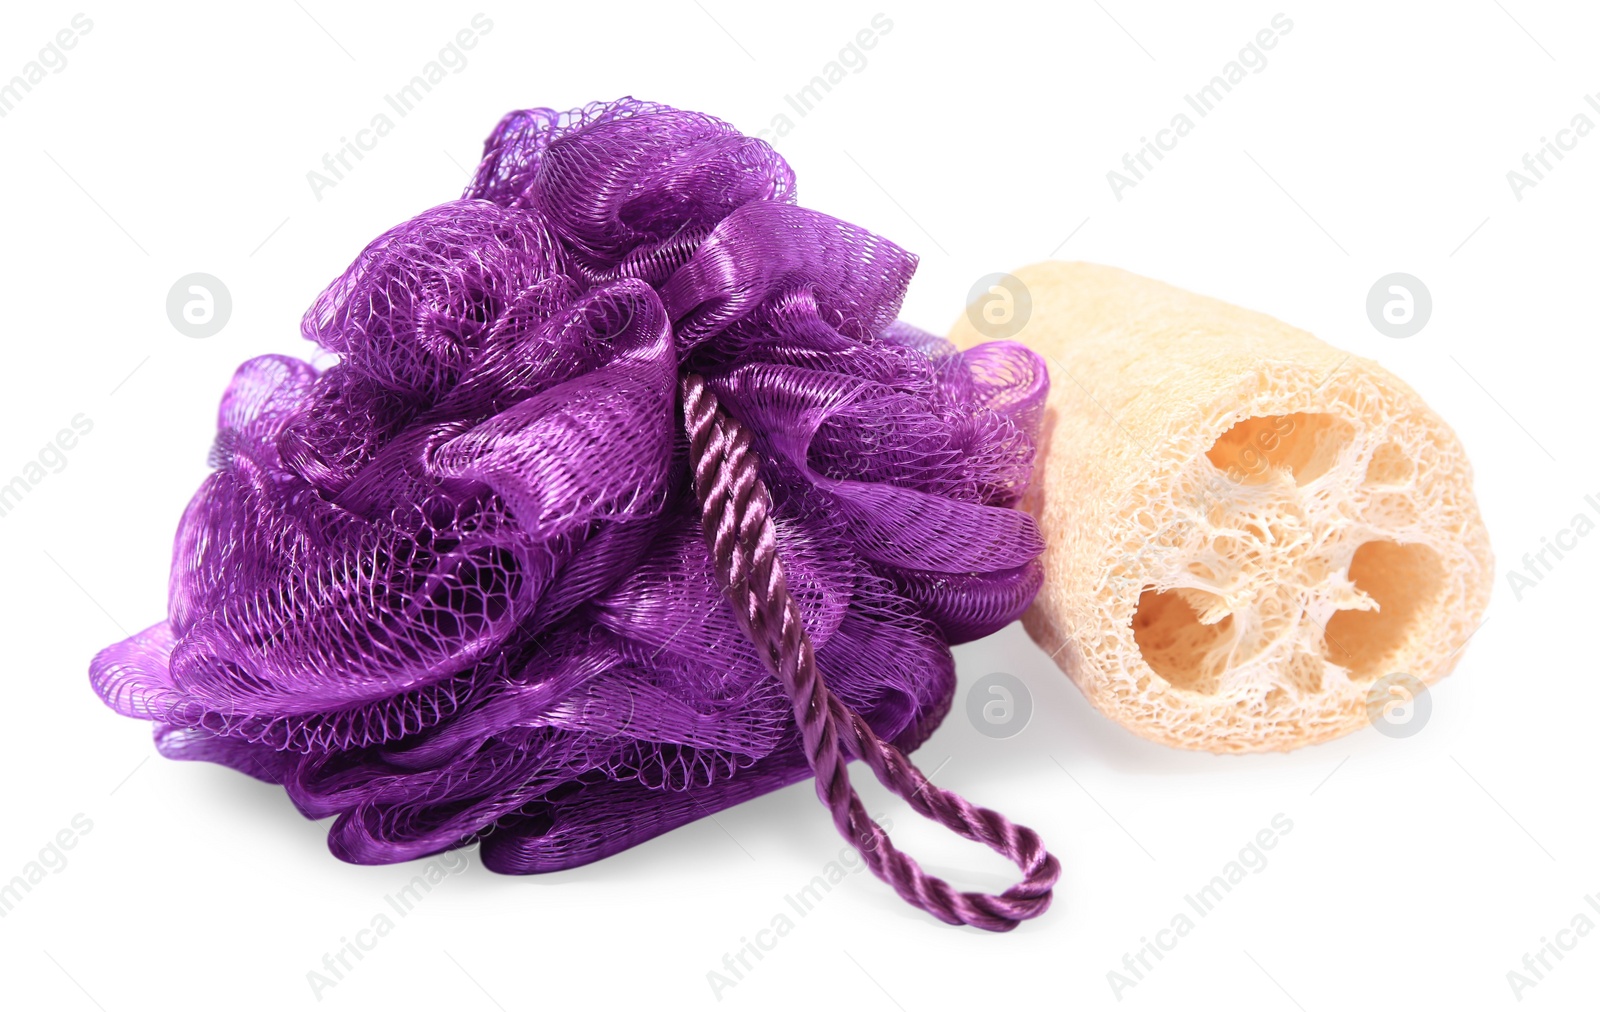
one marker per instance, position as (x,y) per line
(1405,581)
(1305,445)
(1175,643)
(1390,466)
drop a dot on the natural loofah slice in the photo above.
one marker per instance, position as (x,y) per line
(1244,526)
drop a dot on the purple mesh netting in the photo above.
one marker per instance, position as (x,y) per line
(454,588)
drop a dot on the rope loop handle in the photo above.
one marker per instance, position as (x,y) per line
(735,516)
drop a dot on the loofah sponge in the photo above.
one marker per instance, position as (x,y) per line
(1245,527)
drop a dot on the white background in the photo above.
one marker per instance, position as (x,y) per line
(1377,139)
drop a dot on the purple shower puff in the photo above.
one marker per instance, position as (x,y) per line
(453,588)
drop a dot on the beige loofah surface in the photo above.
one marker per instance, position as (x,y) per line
(1245,527)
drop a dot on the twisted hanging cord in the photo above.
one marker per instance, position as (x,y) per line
(734,515)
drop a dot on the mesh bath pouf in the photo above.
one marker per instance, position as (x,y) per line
(627,500)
